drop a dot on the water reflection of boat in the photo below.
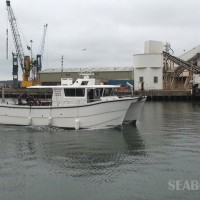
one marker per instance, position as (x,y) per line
(89,153)
(133,140)
(80,105)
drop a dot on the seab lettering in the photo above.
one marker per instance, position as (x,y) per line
(183,185)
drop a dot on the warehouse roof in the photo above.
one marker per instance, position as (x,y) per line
(88,69)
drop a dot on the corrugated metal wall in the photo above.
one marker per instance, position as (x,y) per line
(55,77)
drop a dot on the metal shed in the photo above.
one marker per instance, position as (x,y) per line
(53,76)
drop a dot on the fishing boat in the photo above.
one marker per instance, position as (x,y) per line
(78,105)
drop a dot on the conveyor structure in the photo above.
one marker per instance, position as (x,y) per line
(182,65)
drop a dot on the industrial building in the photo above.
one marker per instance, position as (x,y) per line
(148,67)
(159,69)
(103,74)
(156,69)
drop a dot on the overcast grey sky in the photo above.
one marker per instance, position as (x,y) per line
(111,31)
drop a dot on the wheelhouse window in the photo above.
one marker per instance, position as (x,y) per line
(79,92)
(84,83)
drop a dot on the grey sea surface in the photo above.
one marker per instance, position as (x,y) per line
(157,159)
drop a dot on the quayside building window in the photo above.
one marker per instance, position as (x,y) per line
(74,92)
(155,79)
(141,79)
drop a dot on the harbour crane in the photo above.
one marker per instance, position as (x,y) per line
(28,65)
(39,57)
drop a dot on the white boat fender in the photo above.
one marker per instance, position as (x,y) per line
(77,124)
(50,121)
(29,121)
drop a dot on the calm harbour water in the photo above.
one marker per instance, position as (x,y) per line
(38,163)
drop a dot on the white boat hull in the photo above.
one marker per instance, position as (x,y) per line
(93,115)
(134,110)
